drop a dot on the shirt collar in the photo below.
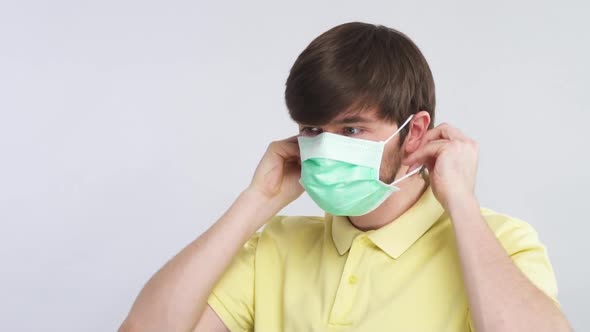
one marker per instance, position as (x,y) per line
(397,236)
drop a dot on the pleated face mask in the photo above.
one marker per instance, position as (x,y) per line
(341,174)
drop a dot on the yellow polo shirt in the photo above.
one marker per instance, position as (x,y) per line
(323,274)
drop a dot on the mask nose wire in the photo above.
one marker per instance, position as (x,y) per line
(400,128)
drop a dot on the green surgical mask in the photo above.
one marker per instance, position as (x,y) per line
(341,174)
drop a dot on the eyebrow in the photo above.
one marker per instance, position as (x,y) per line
(346,120)
(353,119)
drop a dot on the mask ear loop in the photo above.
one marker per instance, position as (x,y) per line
(392,136)
(399,129)
(407,175)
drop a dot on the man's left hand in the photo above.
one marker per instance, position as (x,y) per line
(451,159)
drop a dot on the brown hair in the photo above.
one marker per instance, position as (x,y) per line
(355,66)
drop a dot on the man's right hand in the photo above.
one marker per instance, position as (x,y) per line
(172,300)
(276,178)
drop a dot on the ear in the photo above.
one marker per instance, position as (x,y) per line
(418,128)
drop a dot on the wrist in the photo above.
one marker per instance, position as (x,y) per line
(257,205)
(256,198)
(462,206)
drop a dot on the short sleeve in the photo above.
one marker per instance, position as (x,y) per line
(232,298)
(521,242)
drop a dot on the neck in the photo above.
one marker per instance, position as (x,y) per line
(399,202)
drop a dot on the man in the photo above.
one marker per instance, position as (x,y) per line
(404,244)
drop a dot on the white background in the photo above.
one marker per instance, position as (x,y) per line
(127,128)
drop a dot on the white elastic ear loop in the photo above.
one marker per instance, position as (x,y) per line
(407,175)
(399,129)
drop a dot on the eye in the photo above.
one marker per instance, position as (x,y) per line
(351,131)
(310,131)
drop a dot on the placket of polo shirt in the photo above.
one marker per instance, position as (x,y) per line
(349,280)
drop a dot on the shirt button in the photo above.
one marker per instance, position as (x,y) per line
(353,279)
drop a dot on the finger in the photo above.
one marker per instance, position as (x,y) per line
(286,149)
(292,139)
(426,153)
(443,131)
(434,141)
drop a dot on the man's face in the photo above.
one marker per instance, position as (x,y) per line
(365,125)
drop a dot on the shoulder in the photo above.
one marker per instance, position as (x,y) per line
(513,233)
(500,221)
(290,232)
(284,229)
(293,226)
